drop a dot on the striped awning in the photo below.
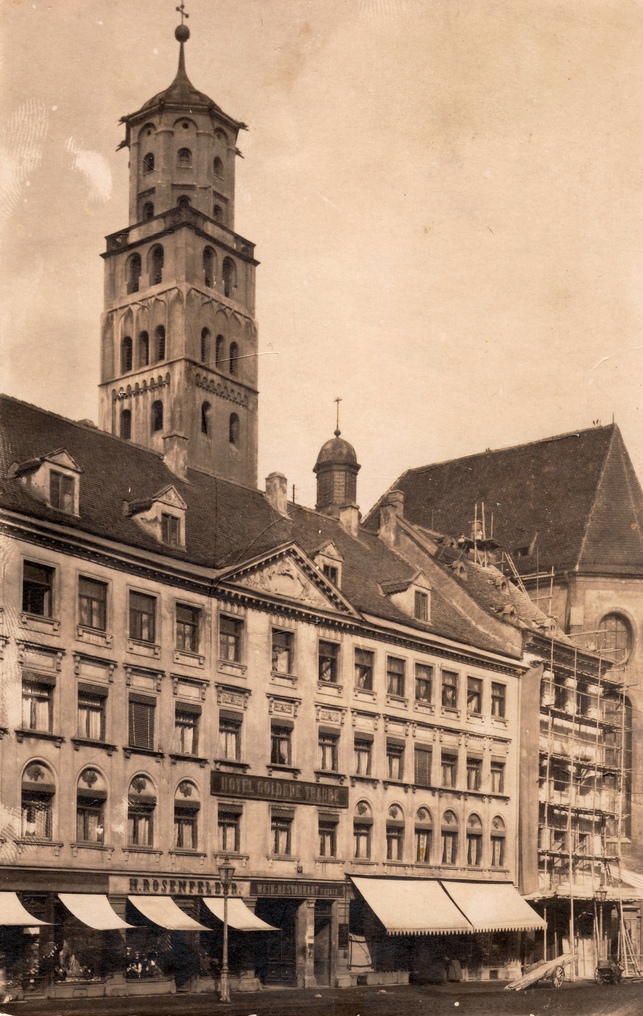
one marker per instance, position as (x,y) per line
(94,910)
(493,906)
(239,915)
(14,915)
(412,906)
(162,910)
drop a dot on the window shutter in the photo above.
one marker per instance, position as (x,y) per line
(141,724)
(423,767)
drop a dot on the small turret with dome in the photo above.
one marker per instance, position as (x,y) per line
(336,469)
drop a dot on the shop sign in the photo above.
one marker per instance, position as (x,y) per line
(169,886)
(267,788)
(301,890)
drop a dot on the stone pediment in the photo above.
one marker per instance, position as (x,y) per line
(291,576)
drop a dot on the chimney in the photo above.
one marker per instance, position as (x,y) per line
(277,492)
(391,509)
(350,518)
(175,454)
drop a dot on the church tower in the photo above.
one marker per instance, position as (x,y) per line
(179,339)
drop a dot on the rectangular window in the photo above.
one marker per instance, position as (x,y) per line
(230,632)
(229,832)
(91,716)
(186,731)
(185,828)
(394,842)
(37,589)
(140,827)
(474,773)
(61,491)
(498,700)
(36,816)
(229,739)
(449,689)
(422,767)
(283,643)
(449,847)
(281,832)
(363,755)
(37,705)
(560,697)
(474,849)
(395,760)
(497,851)
(328,661)
(141,723)
(90,827)
(280,745)
(421,606)
(364,669)
(474,696)
(187,628)
(423,845)
(449,769)
(395,672)
(327,837)
(142,617)
(423,683)
(361,840)
(331,572)
(92,603)
(170,530)
(497,777)
(328,752)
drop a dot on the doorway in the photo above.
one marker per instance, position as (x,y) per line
(323,942)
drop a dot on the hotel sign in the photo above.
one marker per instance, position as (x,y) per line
(266,788)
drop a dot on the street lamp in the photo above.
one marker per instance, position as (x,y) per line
(226,872)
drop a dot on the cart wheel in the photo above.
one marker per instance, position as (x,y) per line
(558,977)
(598,977)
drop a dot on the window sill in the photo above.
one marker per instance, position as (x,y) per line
(36,622)
(189,659)
(90,743)
(475,718)
(366,692)
(221,855)
(143,648)
(131,749)
(184,852)
(398,701)
(142,850)
(284,679)
(230,765)
(44,735)
(397,783)
(451,711)
(330,686)
(89,845)
(232,667)
(329,774)
(363,862)
(33,842)
(179,756)
(424,707)
(283,769)
(364,779)
(329,860)
(281,857)
(501,721)
(94,636)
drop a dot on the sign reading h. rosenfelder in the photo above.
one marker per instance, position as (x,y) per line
(266,788)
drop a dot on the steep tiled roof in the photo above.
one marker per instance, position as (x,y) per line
(226,523)
(573,500)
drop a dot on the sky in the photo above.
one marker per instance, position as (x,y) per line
(446,198)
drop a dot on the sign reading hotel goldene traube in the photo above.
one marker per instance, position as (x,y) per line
(266,788)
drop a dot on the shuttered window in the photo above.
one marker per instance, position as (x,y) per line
(423,767)
(141,723)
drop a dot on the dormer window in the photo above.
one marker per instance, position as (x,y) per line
(162,516)
(329,561)
(421,611)
(410,595)
(170,530)
(61,491)
(331,572)
(53,479)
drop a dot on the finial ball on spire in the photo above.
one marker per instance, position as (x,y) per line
(182,33)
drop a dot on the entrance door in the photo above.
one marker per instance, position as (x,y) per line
(275,956)
(323,941)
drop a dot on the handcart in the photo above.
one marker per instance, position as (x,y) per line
(552,970)
(608,972)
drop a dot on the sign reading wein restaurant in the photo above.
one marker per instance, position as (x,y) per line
(265,788)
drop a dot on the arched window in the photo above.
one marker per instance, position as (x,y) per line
(234,359)
(141,804)
(159,343)
(126,354)
(156,265)
(91,796)
(157,416)
(217,213)
(395,834)
(497,843)
(143,349)
(148,211)
(614,638)
(208,266)
(126,424)
(133,273)
(362,829)
(423,836)
(184,202)
(217,166)
(233,429)
(206,410)
(474,841)
(148,162)
(219,351)
(449,838)
(205,345)
(37,802)
(186,816)
(184,157)
(229,276)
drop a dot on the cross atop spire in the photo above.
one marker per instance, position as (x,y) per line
(182,11)
(337,430)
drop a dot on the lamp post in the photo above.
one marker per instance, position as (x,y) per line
(601,896)
(226,872)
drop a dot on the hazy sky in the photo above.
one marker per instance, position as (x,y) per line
(446,197)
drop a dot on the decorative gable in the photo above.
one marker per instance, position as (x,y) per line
(290,575)
(411,595)
(162,516)
(53,478)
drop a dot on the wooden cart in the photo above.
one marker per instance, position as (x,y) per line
(554,970)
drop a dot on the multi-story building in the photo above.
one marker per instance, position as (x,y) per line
(196,670)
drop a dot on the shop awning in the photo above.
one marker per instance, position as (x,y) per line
(497,906)
(162,910)
(93,910)
(14,915)
(412,906)
(239,915)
